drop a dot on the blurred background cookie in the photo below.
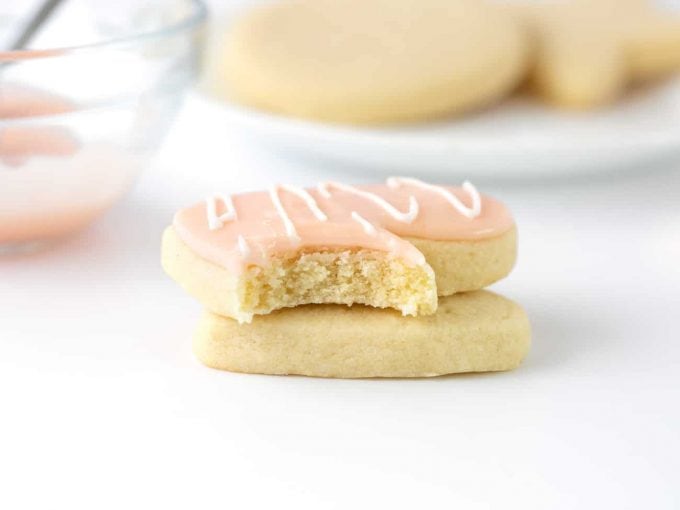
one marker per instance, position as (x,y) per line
(588,52)
(372,61)
(493,138)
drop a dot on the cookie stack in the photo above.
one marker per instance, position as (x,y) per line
(345,281)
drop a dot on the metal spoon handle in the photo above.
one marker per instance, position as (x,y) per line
(34,24)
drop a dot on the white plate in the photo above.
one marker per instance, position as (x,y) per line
(516,140)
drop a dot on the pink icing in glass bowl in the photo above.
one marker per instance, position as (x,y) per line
(84,109)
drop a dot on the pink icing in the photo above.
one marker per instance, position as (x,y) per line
(20,142)
(263,230)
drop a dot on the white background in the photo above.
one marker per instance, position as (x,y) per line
(103,405)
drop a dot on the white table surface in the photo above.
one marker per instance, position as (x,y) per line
(103,406)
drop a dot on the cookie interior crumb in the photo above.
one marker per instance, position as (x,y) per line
(344,277)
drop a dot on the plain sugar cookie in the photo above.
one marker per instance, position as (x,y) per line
(372,61)
(471,332)
(588,52)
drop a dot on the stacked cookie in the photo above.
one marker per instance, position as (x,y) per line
(389,61)
(345,281)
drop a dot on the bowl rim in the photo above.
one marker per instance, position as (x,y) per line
(197,15)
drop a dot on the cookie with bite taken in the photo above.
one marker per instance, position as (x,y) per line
(392,259)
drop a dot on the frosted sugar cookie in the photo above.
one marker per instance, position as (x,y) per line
(589,51)
(396,245)
(372,61)
(471,332)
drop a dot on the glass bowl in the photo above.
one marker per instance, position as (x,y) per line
(85,106)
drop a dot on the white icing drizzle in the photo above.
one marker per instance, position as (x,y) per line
(243,246)
(309,200)
(468,212)
(291,232)
(216,221)
(368,227)
(407,217)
